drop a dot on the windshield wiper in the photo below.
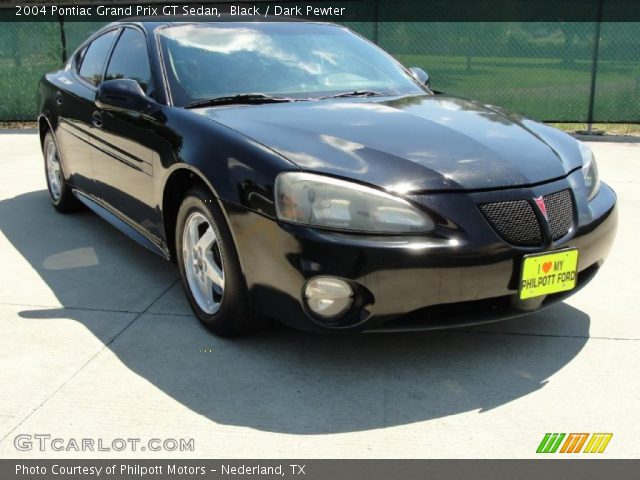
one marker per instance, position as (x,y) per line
(359,93)
(241,98)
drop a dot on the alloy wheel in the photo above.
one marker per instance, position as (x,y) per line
(54,173)
(203,262)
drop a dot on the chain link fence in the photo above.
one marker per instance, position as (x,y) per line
(544,70)
(553,71)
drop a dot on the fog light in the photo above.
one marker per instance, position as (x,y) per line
(328,297)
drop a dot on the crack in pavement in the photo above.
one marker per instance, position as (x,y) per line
(169,314)
(524,334)
(103,310)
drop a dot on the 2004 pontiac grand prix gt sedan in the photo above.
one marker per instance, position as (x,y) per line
(295,171)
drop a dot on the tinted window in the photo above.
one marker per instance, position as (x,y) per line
(130,60)
(96,56)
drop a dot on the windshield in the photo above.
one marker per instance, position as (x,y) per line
(298,60)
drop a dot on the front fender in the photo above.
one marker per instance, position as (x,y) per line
(236,168)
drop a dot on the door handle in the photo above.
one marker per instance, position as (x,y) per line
(59,98)
(97,119)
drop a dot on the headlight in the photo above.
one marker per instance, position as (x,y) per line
(327,202)
(589,170)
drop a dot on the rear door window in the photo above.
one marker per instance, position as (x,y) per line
(95,58)
(78,60)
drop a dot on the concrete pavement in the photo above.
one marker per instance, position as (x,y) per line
(96,341)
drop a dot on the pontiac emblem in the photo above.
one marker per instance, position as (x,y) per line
(543,208)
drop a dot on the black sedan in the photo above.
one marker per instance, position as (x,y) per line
(295,171)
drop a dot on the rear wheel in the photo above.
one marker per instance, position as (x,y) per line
(209,267)
(60,194)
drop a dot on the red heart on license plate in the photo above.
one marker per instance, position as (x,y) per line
(546,266)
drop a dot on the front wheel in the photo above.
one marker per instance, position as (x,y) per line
(209,267)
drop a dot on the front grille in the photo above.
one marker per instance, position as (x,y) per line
(560,212)
(517,223)
(514,221)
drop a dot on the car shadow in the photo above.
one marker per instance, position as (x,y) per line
(284,380)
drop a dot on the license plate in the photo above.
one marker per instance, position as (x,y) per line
(547,273)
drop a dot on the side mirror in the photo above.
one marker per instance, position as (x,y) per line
(123,95)
(420,75)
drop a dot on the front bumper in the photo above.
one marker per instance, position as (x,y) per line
(464,274)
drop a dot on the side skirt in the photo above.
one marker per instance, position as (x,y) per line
(121,224)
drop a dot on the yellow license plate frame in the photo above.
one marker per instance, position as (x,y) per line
(548,272)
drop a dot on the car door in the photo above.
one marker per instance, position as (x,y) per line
(75,104)
(126,143)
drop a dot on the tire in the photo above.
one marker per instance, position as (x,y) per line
(60,194)
(209,267)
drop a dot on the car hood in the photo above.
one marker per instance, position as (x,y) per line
(408,144)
